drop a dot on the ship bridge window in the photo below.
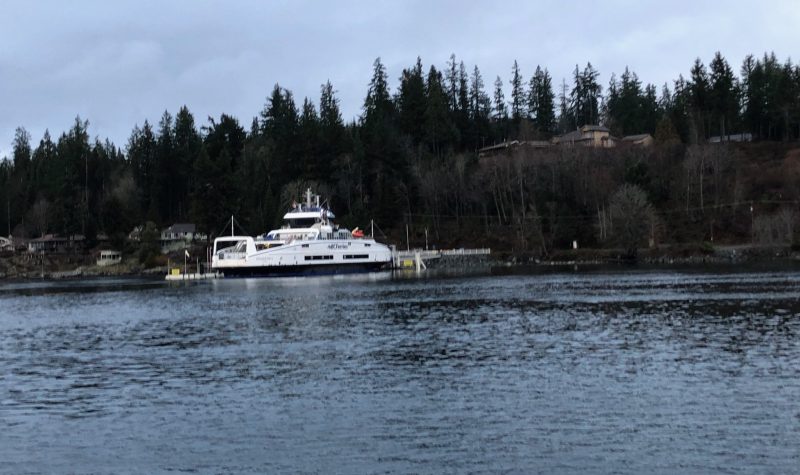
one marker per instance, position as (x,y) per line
(302,223)
(231,246)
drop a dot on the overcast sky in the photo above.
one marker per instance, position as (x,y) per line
(117,63)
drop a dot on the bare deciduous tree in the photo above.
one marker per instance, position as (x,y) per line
(633,218)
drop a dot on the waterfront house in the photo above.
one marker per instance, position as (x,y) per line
(52,243)
(509,146)
(588,136)
(109,258)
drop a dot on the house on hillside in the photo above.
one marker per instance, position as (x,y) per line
(6,244)
(182,232)
(509,147)
(640,140)
(52,243)
(588,136)
(179,235)
(731,138)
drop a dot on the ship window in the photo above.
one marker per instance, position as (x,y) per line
(305,245)
(318,258)
(367,245)
(356,256)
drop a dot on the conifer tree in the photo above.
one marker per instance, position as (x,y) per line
(309,142)
(480,110)
(411,102)
(699,98)
(500,110)
(332,131)
(541,101)
(378,104)
(723,94)
(517,94)
(439,130)
(187,148)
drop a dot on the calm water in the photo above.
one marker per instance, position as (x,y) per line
(604,371)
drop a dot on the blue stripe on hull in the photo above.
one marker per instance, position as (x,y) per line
(307,270)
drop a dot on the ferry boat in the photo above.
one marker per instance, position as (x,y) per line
(309,243)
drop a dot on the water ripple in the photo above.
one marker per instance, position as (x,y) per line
(595,372)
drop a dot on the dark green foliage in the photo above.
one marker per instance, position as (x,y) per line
(517,94)
(480,112)
(412,156)
(584,99)
(541,102)
(629,110)
(412,102)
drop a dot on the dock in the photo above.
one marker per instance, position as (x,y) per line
(176,275)
(418,259)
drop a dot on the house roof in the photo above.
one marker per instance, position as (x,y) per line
(55,238)
(181,228)
(635,138)
(594,128)
(499,146)
(574,136)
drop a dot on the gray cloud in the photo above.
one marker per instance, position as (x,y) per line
(120,63)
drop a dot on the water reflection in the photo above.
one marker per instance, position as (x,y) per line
(650,371)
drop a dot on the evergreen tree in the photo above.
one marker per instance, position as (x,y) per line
(517,94)
(480,110)
(462,114)
(500,111)
(387,169)
(208,196)
(378,104)
(142,156)
(650,110)
(699,99)
(333,138)
(21,150)
(585,97)
(439,130)
(166,170)
(309,142)
(723,94)
(451,83)
(681,110)
(279,126)
(541,101)
(186,150)
(73,153)
(411,102)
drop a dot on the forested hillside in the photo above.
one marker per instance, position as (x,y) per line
(412,158)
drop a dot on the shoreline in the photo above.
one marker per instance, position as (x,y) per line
(24,268)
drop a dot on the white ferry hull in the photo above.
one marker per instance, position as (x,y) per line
(317,257)
(303,270)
